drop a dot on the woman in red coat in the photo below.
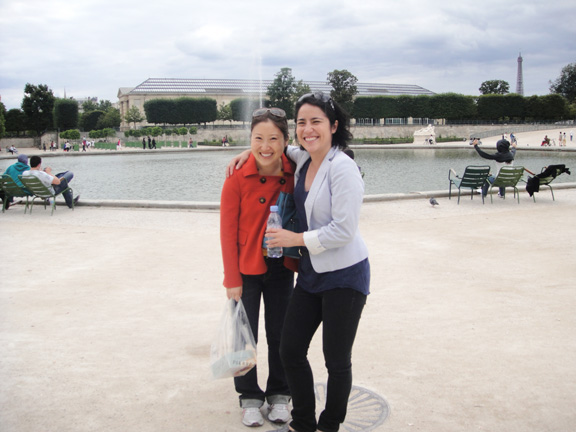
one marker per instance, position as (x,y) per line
(248,273)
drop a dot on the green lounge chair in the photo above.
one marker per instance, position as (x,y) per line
(509,176)
(473,178)
(39,190)
(12,189)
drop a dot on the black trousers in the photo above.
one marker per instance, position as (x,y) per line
(339,311)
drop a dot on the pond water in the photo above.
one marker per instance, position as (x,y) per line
(199,175)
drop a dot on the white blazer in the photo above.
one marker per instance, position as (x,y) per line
(333,211)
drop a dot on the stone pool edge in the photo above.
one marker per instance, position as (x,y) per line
(210,205)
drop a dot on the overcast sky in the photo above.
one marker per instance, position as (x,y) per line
(94,47)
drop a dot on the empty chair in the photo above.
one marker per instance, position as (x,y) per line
(473,178)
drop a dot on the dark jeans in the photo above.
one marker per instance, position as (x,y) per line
(487,184)
(275,287)
(65,178)
(339,311)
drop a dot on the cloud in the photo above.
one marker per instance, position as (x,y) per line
(92,48)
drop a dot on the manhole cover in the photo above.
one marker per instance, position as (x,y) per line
(366,409)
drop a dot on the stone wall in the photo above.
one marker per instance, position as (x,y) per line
(242,134)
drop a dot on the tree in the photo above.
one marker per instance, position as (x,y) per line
(565,84)
(89,105)
(15,121)
(207,110)
(343,88)
(242,108)
(71,134)
(89,120)
(225,112)
(281,91)
(452,106)
(65,114)
(159,111)
(300,90)
(38,105)
(105,105)
(110,120)
(494,87)
(2,119)
(133,115)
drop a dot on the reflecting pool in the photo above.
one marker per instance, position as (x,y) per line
(199,175)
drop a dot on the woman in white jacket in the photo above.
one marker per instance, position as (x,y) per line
(334,272)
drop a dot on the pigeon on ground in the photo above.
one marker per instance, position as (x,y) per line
(433,202)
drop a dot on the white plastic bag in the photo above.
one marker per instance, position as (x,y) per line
(233,352)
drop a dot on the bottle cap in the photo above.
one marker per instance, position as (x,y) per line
(274,208)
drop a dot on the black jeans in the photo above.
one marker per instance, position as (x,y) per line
(339,310)
(275,287)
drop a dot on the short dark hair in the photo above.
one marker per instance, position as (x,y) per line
(35,161)
(333,111)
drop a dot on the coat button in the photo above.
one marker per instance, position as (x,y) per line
(282,181)
(262,200)
(263,180)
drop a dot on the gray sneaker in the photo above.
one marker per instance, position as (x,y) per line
(252,417)
(279,413)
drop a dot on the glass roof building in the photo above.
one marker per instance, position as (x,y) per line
(225,90)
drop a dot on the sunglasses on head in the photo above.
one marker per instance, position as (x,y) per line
(318,96)
(276,112)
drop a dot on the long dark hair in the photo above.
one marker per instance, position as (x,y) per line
(333,111)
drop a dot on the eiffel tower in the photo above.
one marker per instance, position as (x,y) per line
(519,80)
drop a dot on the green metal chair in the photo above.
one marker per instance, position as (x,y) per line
(39,190)
(12,189)
(509,176)
(547,175)
(474,177)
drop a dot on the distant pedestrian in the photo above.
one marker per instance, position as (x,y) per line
(149,143)
(143,143)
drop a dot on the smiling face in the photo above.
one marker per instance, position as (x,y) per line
(267,145)
(314,130)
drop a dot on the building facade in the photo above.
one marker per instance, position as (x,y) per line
(226,90)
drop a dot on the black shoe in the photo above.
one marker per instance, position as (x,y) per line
(76,199)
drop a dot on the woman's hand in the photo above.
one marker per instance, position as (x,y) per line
(234,293)
(277,237)
(237,162)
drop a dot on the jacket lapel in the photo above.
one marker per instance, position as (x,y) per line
(321,177)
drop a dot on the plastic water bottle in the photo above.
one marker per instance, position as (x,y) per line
(274,221)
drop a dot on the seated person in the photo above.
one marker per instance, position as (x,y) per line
(14,171)
(56,183)
(503,156)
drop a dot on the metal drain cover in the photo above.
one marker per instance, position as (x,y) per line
(366,409)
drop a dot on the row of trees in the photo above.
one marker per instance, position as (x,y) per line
(456,107)
(184,110)
(41,112)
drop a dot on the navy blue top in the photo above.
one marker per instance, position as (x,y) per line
(356,277)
